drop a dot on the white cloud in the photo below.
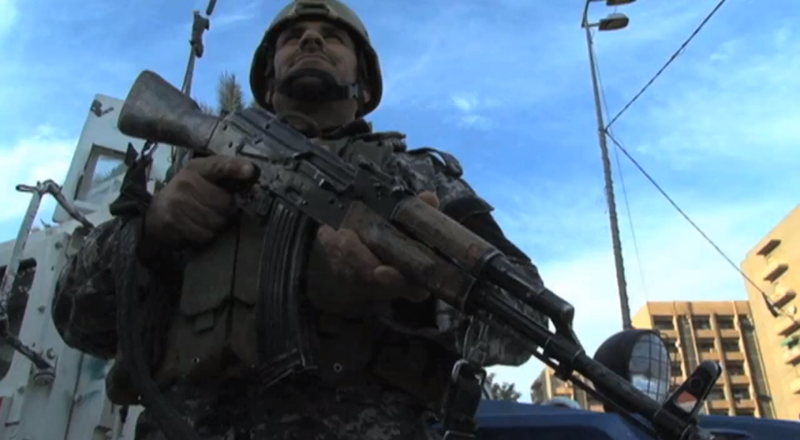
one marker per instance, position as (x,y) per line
(8,15)
(471,110)
(233,14)
(44,155)
(465,103)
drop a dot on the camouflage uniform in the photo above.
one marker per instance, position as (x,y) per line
(304,404)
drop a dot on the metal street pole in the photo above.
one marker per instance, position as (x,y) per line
(609,185)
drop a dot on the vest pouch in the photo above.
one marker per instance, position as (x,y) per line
(200,332)
(249,258)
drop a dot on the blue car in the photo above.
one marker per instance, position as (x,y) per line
(506,420)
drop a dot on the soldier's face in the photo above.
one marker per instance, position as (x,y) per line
(316,44)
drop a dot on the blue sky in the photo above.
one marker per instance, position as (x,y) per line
(505,86)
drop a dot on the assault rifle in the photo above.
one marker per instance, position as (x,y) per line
(428,247)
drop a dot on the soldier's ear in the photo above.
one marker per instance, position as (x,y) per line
(269,93)
(365,94)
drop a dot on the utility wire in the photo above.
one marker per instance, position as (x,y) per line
(766,297)
(622,182)
(669,61)
(774,308)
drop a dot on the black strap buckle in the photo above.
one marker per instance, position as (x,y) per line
(134,197)
(461,400)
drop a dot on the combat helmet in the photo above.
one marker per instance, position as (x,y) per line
(336,12)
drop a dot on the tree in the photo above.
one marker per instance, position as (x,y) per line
(230,97)
(502,391)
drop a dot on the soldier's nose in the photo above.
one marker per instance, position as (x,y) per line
(311,39)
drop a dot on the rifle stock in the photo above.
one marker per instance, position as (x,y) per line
(428,247)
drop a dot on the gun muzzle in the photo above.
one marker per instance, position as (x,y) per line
(156,110)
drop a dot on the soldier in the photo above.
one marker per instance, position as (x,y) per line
(308,335)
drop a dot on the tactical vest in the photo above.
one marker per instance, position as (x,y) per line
(247,308)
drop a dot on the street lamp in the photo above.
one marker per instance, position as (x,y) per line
(612,22)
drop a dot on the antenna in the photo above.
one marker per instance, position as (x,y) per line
(200,24)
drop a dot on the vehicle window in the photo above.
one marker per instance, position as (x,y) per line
(101,175)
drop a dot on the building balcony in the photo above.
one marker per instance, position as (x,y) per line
(782,296)
(739,380)
(704,333)
(563,390)
(734,356)
(718,404)
(745,403)
(768,247)
(597,408)
(792,356)
(794,386)
(785,325)
(774,270)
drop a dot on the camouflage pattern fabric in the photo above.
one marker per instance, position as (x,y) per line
(299,407)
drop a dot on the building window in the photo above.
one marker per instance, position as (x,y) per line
(730,345)
(735,368)
(719,412)
(670,343)
(675,369)
(663,323)
(725,322)
(745,412)
(716,393)
(701,322)
(740,392)
(705,345)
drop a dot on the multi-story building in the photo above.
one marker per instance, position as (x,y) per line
(773,265)
(547,386)
(721,331)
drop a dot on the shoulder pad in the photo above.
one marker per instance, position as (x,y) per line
(452,166)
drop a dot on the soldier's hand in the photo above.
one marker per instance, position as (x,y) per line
(353,261)
(194,206)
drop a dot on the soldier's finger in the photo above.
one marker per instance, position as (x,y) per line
(348,257)
(430,198)
(192,221)
(218,168)
(357,256)
(191,232)
(399,286)
(213,197)
(207,218)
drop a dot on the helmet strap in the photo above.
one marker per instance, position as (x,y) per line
(330,90)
